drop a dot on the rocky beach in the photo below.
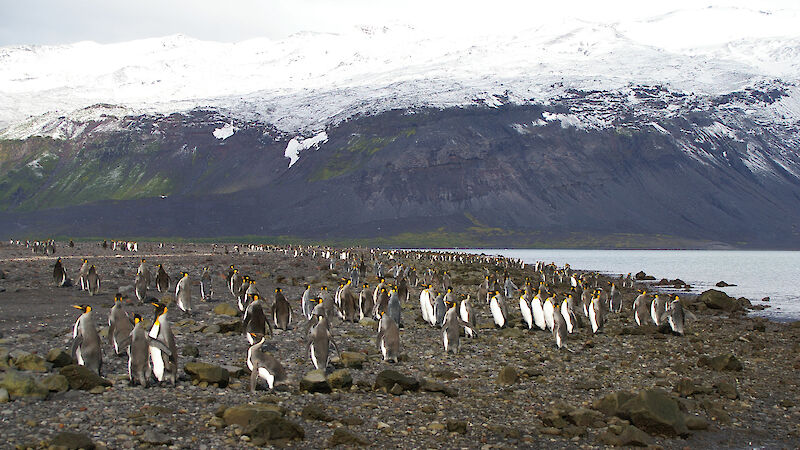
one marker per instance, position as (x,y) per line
(729,382)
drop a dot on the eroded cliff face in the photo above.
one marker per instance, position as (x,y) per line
(650,175)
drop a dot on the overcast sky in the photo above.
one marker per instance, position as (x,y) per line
(104,21)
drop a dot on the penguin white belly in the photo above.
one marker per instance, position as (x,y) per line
(158,363)
(79,356)
(422,305)
(593,318)
(559,342)
(264,373)
(548,315)
(653,312)
(567,318)
(538,314)
(638,319)
(314,358)
(446,342)
(383,349)
(130,373)
(525,309)
(497,313)
(463,313)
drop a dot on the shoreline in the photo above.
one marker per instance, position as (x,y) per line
(477,398)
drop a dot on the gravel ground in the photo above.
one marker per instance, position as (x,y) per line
(756,406)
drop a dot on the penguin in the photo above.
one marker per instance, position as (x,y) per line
(162,280)
(83,272)
(393,308)
(140,287)
(451,329)
(59,273)
(402,289)
(559,329)
(657,308)
(675,316)
(365,305)
(319,342)
(281,311)
(183,293)
(596,312)
(509,287)
(263,365)
(483,289)
(497,305)
(119,326)
(254,320)
(615,299)
(93,281)
(165,364)
(206,286)
(586,299)
(468,316)
(306,303)
(241,293)
(139,369)
(567,314)
(251,289)
(382,303)
(86,341)
(231,271)
(548,309)
(538,312)
(439,309)
(388,338)
(426,305)
(349,304)
(144,272)
(235,284)
(525,310)
(640,308)
(327,302)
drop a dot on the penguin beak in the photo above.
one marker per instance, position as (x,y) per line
(77,307)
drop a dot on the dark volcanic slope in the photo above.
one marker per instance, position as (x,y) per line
(515,175)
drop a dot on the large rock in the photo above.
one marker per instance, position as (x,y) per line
(247,415)
(21,385)
(59,357)
(654,411)
(56,383)
(80,377)
(686,387)
(72,441)
(31,363)
(315,381)
(715,299)
(4,397)
(210,373)
(230,326)
(340,379)
(274,427)
(630,436)
(226,309)
(722,362)
(387,379)
(343,436)
(435,386)
(352,360)
(315,411)
(611,404)
(508,375)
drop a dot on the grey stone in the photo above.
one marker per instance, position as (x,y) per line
(508,375)
(275,427)
(340,379)
(343,436)
(22,385)
(59,357)
(80,377)
(388,378)
(155,438)
(315,381)
(210,373)
(56,383)
(72,441)
(722,362)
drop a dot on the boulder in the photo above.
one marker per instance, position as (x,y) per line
(22,385)
(686,387)
(154,438)
(352,360)
(190,350)
(630,436)
(340,379)
(72,441)
(315,381)
(727,389)
(584,417)
(388,378)
(434,386)
(611,404)
(456,426)
(507,375)
(247,415)
(210,373)
(722,362)
(654,411)
(274,427)
(231,326)
(715,299)
(59,357)
(315,411)
(723,284)
(80,377)
(343,436)
(4,397)
(31,363)
(56,383)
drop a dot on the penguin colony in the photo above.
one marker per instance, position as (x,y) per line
(559,301)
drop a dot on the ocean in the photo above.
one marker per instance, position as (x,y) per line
(756,274)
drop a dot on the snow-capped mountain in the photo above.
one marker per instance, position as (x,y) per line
(673,130)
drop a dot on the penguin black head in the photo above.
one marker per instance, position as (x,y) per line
(449,288)
(117,297)
(255,297)
(136,319)
(84,308)
(277,290)
(324,288)
(366,285)
(232,267)
(160,308)
(308,286)
(143,260)
(160,266)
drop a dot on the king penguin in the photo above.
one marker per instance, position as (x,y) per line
(254,320)
(86,341)
(162,279)
(59,273)
(548,309)
(183,293)
(82,273)
(451,329)
(468,316)
(559,330)
(675,316)
(597,312)
(165,365)
(538,312)
(365,305)
(206,286)
(140,287)
(119,326)
(657,308)
(393,308)
(306,303)
(426,304)
(139,369)
(263,365)
(281,310)
(497,305)
(388,338)
(640,308)
(567,314)
(439,309)
(525,309)
(93,281)
(319,342)
(144,272)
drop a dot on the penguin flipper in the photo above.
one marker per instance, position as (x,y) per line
(254,377)
(161,346)
(689,315)
(76,342)
(333,343)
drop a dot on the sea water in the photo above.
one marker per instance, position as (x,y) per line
(756,274)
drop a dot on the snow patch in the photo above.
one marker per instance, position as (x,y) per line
(298,144)
(225,132)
